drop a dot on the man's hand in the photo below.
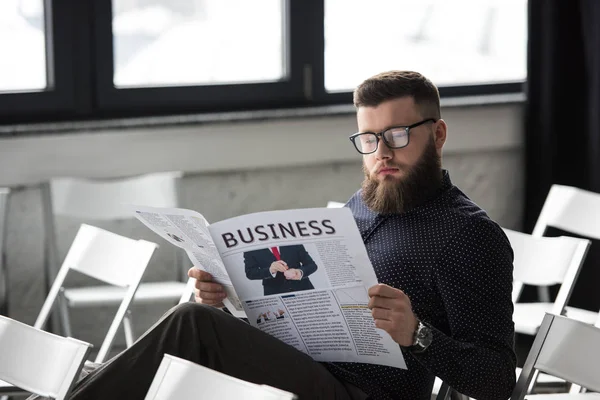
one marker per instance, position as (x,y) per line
(278,266)
(293,274)
(392,312)
(207,291)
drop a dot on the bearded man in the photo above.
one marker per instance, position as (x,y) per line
(444,267)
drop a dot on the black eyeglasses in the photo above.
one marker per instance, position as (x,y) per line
(395,137)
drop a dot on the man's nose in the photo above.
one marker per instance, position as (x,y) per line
(383,152)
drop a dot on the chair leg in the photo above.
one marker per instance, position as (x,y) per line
(65,321)
(51,266)
(3,280)
(535,376)
(128,329)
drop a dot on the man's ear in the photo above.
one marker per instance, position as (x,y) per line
(439,133)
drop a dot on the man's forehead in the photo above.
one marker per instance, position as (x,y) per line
(390,113)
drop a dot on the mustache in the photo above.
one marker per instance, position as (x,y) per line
(383,165)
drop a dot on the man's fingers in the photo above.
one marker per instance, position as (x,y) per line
(208,302)
(280,267)
(209,286)
(283,265)
(383,290)
(212,296)
(200,275)
(206,291)
(384,324)
(383,302)
(381,313)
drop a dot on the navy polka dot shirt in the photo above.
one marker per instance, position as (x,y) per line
(455,265)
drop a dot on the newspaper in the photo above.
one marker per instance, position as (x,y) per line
(299,275)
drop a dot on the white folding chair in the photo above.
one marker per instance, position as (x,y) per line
(544,261)
(116,260)
(101,200)
(565,348)
(576,211)
(444,391)
(335,204)
(188,291)
(181,379)
(540,261)
(37,361)
(4,193)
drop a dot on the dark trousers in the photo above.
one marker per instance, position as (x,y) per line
(215,339)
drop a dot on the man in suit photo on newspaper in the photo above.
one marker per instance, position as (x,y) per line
(282,269)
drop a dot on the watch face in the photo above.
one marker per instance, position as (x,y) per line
(423,336)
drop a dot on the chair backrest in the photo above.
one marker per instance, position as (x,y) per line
(38,361)
(188,292)
(102,200)
(571,209)
(564,348)
(334,204)
(445,392)
(95,199)
(181,379)
(544,261)
(4,192)
(106,256)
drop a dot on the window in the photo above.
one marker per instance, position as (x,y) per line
(22,46)
(101,59)
(184,43)
(453,42)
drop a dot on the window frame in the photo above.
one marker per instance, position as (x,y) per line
(59,96)
(322,96)
(199,98)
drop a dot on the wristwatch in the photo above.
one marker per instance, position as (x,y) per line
(422,338)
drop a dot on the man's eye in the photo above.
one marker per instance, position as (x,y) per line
(398,135)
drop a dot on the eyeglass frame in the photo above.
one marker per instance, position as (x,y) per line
(379,135)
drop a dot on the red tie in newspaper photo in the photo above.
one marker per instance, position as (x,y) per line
(275,251)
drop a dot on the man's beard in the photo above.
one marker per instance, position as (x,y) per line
(395,196)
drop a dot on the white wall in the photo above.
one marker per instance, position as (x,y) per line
(229,146)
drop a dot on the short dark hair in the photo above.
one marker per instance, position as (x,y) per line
(392,85)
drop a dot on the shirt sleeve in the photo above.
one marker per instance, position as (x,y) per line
(254,269)
(474,279)
(308,265)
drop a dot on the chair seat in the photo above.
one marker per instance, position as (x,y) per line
(529,316)
(103,295)
(544,379)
